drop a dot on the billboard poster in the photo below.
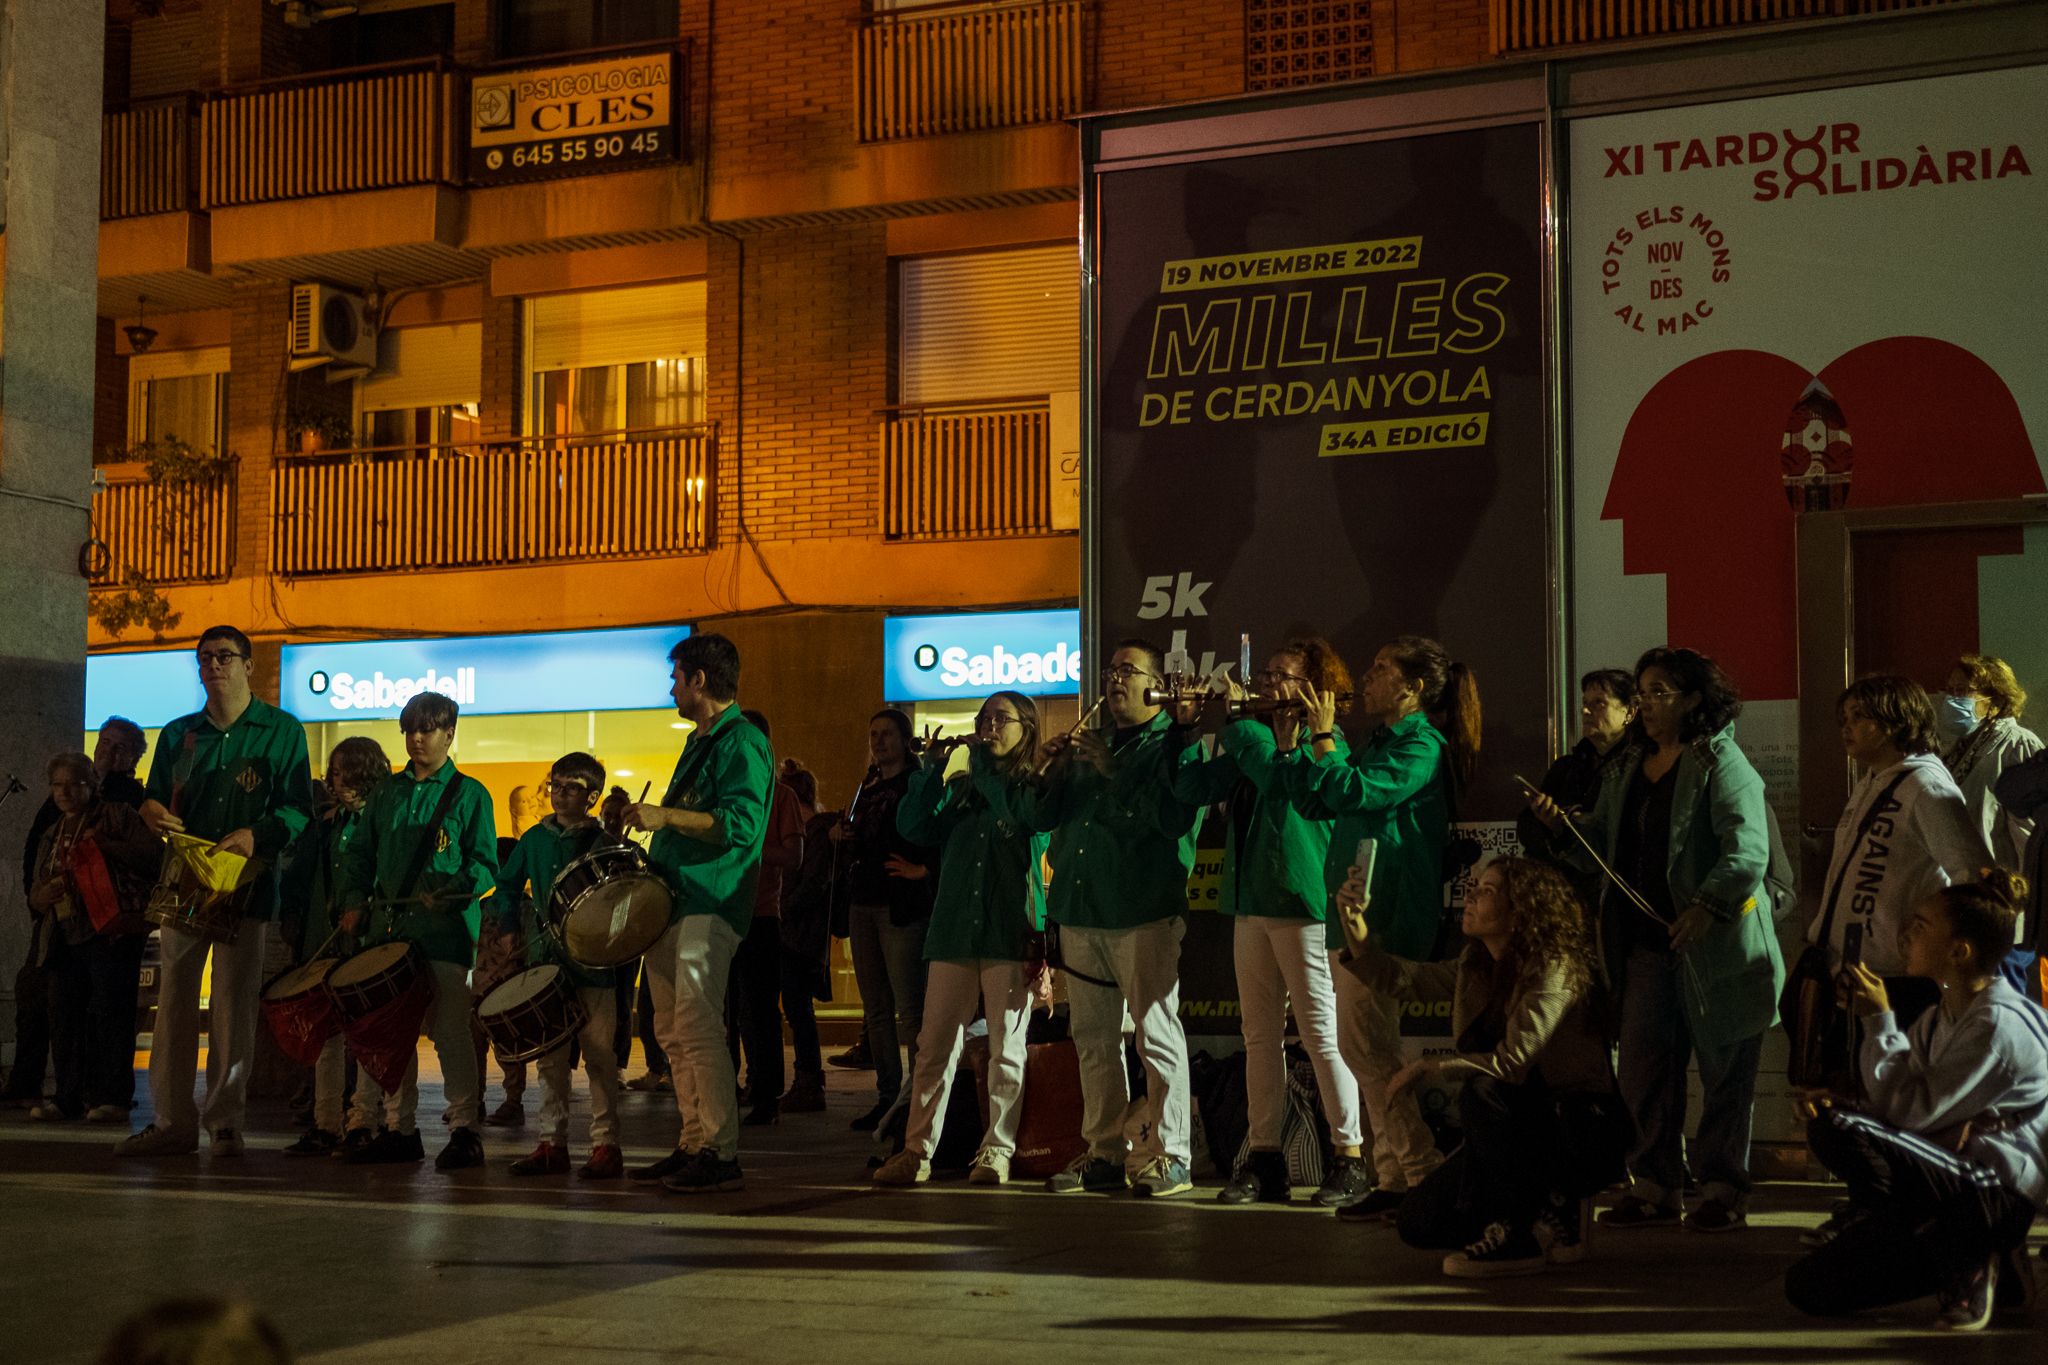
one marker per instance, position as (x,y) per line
(609,115)
(1782,305)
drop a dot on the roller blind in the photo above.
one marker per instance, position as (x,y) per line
(426,367)
(616,326)
(177,364)
(994,324)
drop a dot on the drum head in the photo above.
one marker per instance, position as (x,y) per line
(510,994)
(617,921)
(369,962)
(300,979)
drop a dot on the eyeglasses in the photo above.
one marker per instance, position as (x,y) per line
(1126,672)
(220,658)
(1270,678)
(1661,696)
(565,788)
(995,720)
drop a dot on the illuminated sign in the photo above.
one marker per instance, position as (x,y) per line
(573,120)
(941,658)
(151,688)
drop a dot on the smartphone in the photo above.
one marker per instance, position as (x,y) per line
(1852,945)
(1362,859)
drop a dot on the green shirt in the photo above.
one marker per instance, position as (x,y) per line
(990,894)
(727,771)
(1122,844)
(253,775)
(1394,788)
(463,866)
(1274,855)
(527,881)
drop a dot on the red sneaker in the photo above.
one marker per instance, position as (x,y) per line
(546,1159)
(606,1163)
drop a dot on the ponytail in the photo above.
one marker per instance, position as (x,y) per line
(1450,698)
(1985,913)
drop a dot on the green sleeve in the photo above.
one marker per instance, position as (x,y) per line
(1257,754)
(741,775)
(356,871)
(1741,836)
(292,809)
(1007,793)
(1161,808)
(1041,803)
(162,761)
(512,879)
(1399,774)
(1199,779)
(920,815)
(479,838)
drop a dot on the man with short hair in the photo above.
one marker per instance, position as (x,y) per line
(235,772)
(708,831)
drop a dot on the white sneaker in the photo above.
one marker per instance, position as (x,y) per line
(227,1142)
(106,1113)
(989,1168)
(904,1168)
(155,1141)
(46,1113)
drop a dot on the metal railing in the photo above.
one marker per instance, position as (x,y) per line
(607,495)
(960,470)
(952,68)
(169,533)
(146,160)
(1520,25)
(328,134)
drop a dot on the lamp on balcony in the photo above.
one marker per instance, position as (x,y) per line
(140,334)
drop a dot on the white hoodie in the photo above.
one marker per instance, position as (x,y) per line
(1923,839)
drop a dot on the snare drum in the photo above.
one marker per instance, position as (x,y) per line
(365,982)
(530,1015)
(607,907)
(183,902)
(300,1011)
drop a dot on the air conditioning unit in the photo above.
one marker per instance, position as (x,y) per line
(331,326)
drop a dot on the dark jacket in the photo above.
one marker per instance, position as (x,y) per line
(1573,781)
(120,787)
(875,840)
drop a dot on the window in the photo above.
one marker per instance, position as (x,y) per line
(531,28)
(617,359)
(447,424)
(182,394)
(989,324)
(426,387)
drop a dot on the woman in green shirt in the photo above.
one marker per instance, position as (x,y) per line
(990,899)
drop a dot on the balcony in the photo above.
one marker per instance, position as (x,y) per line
(146,160)
(951,471)
(963,67)
(169,533)
(609,495)
(328,134)
(1522,25)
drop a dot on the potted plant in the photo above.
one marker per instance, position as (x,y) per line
(315,432)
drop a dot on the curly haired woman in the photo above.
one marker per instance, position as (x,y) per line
(1542,1129)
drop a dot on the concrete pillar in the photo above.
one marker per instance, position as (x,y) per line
(50,81)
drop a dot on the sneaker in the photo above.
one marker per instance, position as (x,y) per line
(806,1096)
(1844,1216)
(761,1116)
(1261,1180)
(546,1159)
(354,1140)
(464,1150)
(1348,1183)
(1634,1212)
(1378,1207)
(388,1148)
(226,1142)
(868,1122)
(510,1114)
(1714,1216)
(46,1112)
(647,1082)
(313,1142)
(707,1173)
(155,1141)
(107,1113)
(1498,1252)
(1966,1304)
(904,1168)
(1566,1231)
(606,1163)
(855,1058)
(662,1169)
(1162,1178)
(1089,1174)
(989,1168)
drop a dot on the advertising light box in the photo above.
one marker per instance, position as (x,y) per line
(150,688)
(487,675)
(944,658)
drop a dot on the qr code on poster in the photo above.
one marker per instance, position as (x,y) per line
(1496,838)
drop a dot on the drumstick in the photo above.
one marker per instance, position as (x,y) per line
(643,792)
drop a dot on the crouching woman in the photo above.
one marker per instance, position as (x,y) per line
(1543,1130)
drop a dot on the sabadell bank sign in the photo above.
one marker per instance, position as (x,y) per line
(487,675)
(945,658)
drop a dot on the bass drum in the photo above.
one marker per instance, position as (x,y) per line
(531,1014)
(607,907)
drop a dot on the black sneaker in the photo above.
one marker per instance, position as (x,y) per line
(1565,1230)
(1966,1303)
(388,1149)
(1633,1212)
(1347,1184)
(1378,1207)
(313,1142)
(1714,1216)
(707,1173)
(464,1150)
(1261,1180)
(762,1115)
(354,1140)
(1499,1251)
(510,1114)
(855,1058)
(1090,1175)
(662,1169)
(868,1122)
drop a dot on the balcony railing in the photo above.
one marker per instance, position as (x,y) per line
(1519,25)
(953,68)
(957,471)
(613,495)
(170,533)
(146,160)
(328,135)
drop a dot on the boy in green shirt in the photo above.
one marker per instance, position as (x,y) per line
(426,799)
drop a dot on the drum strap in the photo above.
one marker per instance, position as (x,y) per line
(429,836)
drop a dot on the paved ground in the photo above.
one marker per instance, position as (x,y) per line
(808,1264)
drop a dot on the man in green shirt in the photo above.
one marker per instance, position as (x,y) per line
(427,799)
(237,773)
(708,831)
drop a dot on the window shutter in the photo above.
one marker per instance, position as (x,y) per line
(177,364)
(426,367)
(616,326)
(993,324)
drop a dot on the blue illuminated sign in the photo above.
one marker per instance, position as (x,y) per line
(151,689)
(941,658)
(487,675)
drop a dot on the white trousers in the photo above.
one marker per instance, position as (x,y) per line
(600,1063)
(1279,960)
(447,1023)
(230,1034)
(330,1079)
(1145,965)
(1369,1035)
(687,971)
(951,991)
